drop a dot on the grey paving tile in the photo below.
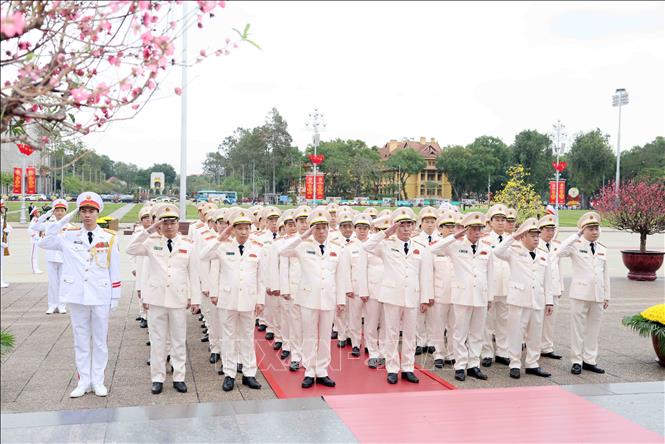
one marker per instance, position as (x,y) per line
(638,387)
(645,409)
(216,429)
(91,433)
(588,389)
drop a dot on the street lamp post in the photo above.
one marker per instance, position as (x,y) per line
(315,121)
(559,133)
(619,99)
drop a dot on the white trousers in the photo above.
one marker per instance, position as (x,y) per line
(585,319)
(214,330)
(273,316)
(54,270)
(90,324)
(34,258)
(375,328)
(341,325)
(394,314)
(237,341)
(316,327)
(468,335)
(547,344)
(354,307)
(166,324)
(422,330)
(441,321)
(496,324)
(2,266)
(524,322)
(291,328)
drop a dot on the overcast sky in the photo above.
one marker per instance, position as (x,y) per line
(388,70)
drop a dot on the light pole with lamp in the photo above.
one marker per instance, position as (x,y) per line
(315,121)
(619,99)
(559,133)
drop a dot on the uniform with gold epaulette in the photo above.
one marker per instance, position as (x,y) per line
(343,236)
(551,248)
(271,316)
(427,321)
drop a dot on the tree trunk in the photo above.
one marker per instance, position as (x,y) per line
(643,242)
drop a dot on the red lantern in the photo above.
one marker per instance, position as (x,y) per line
(24,148)
(559,166)
(316,159)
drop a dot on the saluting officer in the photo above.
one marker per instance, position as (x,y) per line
(269,274)
(548,227)
(405,288)
(171,286)
(288,229)
(344,236)
(241,295)
(511,219)
(145,220)
(529,296)
(90,285)
(470,291)
(425,324)
(324,272)
(589,291)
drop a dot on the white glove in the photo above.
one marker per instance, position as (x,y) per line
(56,227)
(45,216)
(114,304)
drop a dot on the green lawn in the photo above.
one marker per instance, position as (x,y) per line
(133,214)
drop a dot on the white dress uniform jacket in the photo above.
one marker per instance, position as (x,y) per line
(591,279)
(556,278)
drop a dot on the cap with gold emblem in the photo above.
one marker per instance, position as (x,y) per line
(287,215)
(588,219)
(447,218)
(155,209)
(371,211)
(60,203)
(200,205)
(90,200)
(256,210)
(241,216)
(381,223)
(319,215)
(270,212)
(427,212)
(219,214)
(474,218)
(144,211)
(403,214)
(332,208)
(511,214)
(529,225)
(385,212)
(459,217)
(302,211)
(345,216)
(362,219)
(548,220)
(168,211)
(497,210)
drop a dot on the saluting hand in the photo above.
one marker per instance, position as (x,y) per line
(392,230)
(224,235)
(460,234)
(153,228)
(307,233)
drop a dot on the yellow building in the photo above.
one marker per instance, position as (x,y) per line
(429,183)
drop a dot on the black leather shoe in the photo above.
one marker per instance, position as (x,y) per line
(239,368)
(348,341)
(294,366)
(355,351)
(515,373)
(392,378)
(205,331)
(551,355)
(459,375)
(449,361)
(277,345)
(251,382)
(256,323)
(366,351)
(333,335)
(475,372)
(284,354)
(486,362)
(372,363)
(214,358)
(220,371)
(326,381)
(576,369)
(205,338)
(200,317)
(180,386)
(409,376)
(341,344)
(228,384)
(538,372)
(138,318)
(438,363)
(419,350)
(307,382)
(270,336)
(156,388)
(148,362)
(262,327)
(431,349)
(143,323)
(147,342)
(592,368)
(501,360)
(203,325)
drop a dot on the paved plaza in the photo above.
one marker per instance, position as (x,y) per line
(39,374)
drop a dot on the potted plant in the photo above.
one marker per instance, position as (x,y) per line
(6,342)
(651,322)
(638,207)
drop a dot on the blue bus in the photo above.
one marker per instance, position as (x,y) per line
(226,197)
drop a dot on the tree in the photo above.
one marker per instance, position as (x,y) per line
(519,193)
(591,161)
(213,166)
(76,66)
(533,150)
(646,163)
(457,163)
(405,162)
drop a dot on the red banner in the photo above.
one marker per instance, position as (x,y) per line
(309,187)
(562,191)
(17,181)
(320,186)
(31,181)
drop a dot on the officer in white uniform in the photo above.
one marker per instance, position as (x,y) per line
(241,295)
(145,220)
(35,232)
(324,273)
(269,274)
(53,257)
(425,326)
(171,287)
(470,291)
(4,245)
(529,296)
(344,236)
(90,286)
(496,324)
(288,229)
(407,286)
(589,291)
(548,228)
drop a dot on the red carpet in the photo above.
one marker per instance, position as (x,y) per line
(351,375)
(521,414)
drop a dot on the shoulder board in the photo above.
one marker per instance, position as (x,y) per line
(486,242)
(186,239)
(544,250)
(205,231)
(554,241)
(516,246)
(155,236)
(199,224)
(109,231)
(255,242)
(600,244)
(578,241)
(72,229)
(334,242)
(419,242)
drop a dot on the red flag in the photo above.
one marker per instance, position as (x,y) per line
(18,180)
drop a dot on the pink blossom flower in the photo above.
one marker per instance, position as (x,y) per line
(222,4)
(79,95)
(202,52)
(143,5)
(12,26)
(178,90)
(206,6)
(135,106)
(151,84)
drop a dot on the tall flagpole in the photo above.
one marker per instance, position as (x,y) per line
(183,120)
